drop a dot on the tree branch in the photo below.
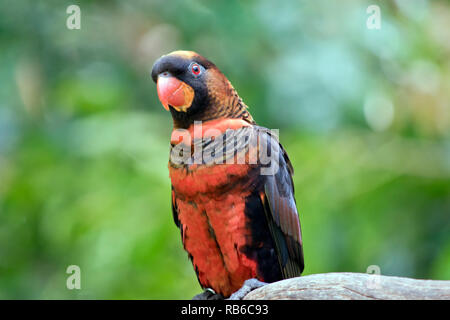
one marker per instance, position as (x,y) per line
(350,286)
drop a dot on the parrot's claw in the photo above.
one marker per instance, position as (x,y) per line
(249,285)
(208,294)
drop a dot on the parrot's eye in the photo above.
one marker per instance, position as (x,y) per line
(195,69)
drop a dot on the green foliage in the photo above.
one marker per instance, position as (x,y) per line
(364,115)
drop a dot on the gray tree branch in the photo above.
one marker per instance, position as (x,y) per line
(350,286)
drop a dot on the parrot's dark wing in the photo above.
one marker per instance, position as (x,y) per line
(175,211)
(281,211)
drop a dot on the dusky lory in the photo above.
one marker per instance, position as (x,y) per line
(236,213)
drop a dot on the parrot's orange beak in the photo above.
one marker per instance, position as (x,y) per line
(174,92)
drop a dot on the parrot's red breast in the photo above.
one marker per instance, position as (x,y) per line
(237,221)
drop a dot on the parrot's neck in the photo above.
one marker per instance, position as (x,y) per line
(223,103)
(229,105)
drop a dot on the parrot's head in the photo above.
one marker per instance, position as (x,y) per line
(192,88)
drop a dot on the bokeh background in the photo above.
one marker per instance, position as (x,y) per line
(364,115)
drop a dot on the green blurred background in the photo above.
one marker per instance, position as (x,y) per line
(364,115)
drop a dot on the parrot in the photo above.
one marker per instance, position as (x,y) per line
(234,208)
